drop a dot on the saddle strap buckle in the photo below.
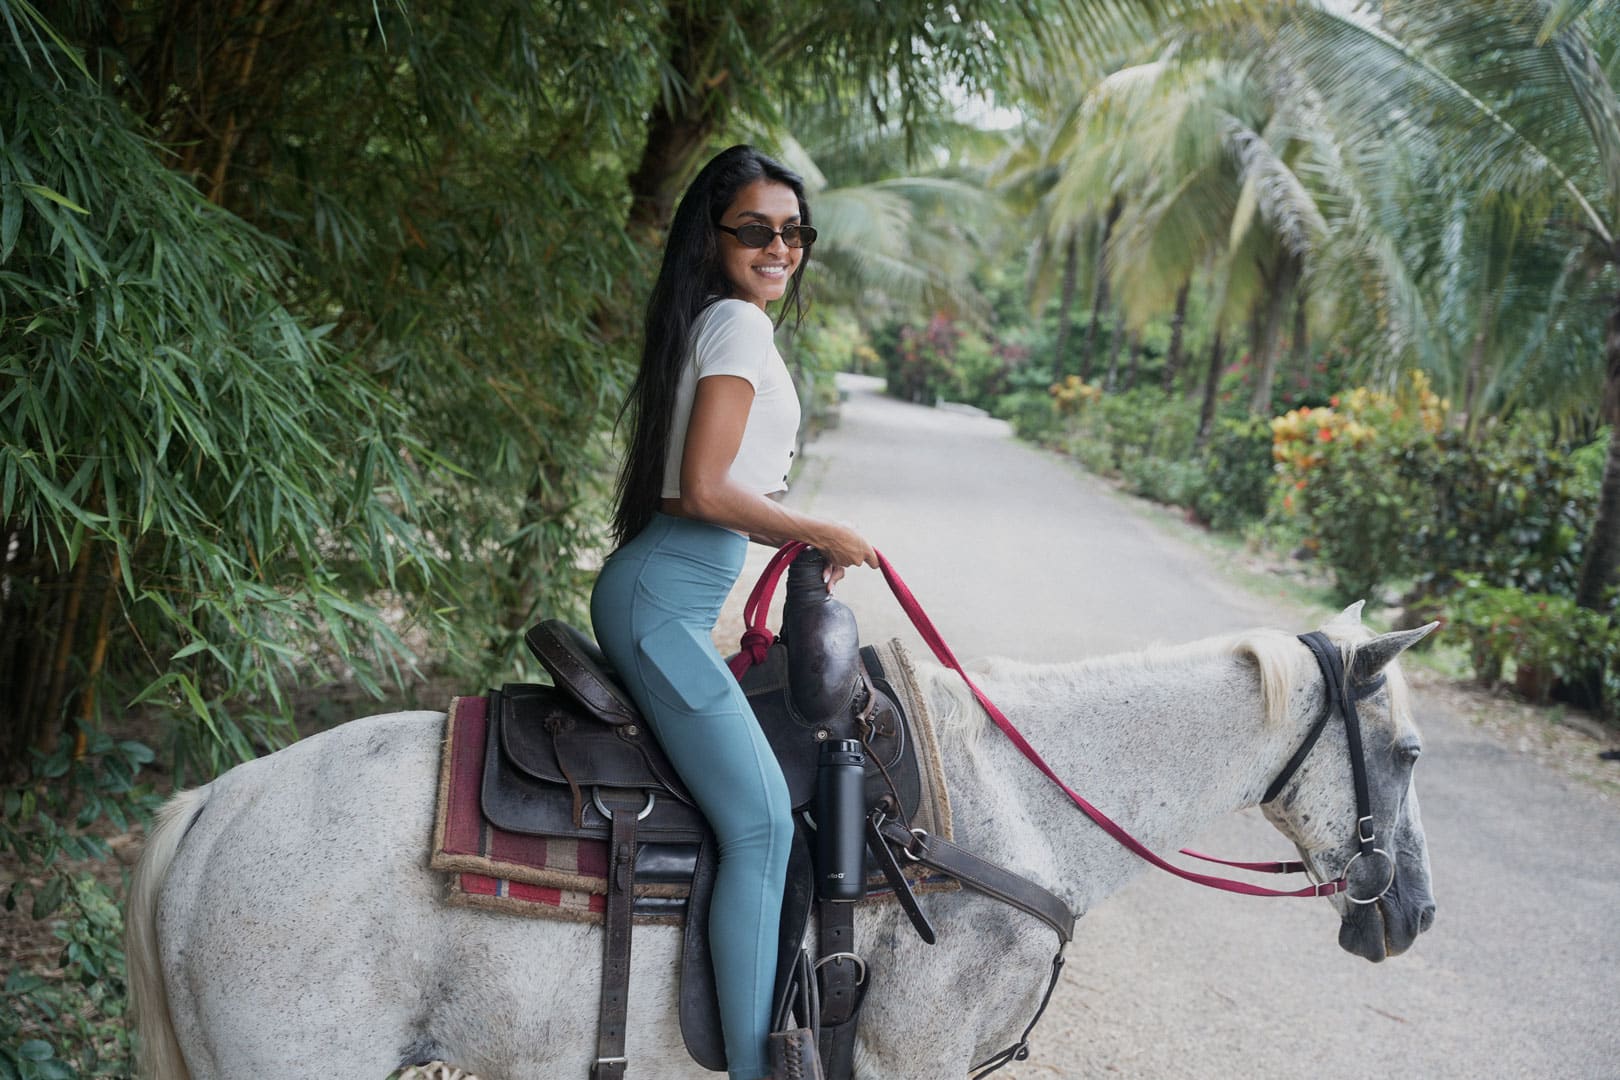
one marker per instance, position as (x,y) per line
(839,957)
(641,815)
(896,878)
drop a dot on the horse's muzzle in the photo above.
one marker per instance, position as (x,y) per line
(1386,928)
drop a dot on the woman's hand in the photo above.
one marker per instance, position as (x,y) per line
(842,547)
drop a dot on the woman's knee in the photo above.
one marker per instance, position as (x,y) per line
(763,827)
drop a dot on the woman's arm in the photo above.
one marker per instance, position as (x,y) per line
(720,409)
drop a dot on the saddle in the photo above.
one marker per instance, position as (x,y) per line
(576,760)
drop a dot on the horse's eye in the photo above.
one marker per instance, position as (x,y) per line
(1407,751)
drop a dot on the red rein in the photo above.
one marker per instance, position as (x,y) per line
(757,638)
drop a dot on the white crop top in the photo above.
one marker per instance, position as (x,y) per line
(735,337)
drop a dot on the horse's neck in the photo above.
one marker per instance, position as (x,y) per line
(1163,750)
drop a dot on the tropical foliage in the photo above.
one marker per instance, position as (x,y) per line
(317,320)
(1337,195)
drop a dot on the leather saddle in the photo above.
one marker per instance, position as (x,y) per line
(576,760)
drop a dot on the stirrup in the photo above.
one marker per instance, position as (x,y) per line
(793,1055)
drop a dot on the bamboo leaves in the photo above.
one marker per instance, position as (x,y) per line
(175,441)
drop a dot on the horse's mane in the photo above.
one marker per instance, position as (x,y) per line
(1275,655)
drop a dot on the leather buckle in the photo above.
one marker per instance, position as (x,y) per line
(838,957)
(596,801)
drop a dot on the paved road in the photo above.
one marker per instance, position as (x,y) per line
(1017,553)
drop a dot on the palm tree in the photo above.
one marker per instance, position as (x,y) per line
(1208,154)
(1509,100)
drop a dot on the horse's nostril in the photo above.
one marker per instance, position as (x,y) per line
(1426,918)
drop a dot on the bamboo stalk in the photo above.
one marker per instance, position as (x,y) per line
(13,618)
(98,658)
(51,721)
(244,74)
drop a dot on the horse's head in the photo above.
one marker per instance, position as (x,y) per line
(1316,807)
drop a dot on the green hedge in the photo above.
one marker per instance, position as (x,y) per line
(1547,639)
(1504,507)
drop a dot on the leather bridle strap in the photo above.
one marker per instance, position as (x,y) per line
(1001,884)
(1343,702)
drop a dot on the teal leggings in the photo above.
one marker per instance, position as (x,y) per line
(653,608)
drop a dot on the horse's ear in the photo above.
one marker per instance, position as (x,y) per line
(1350,616)
(1373,656)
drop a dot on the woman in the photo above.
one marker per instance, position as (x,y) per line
(714,423)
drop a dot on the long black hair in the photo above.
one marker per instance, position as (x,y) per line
(691,276)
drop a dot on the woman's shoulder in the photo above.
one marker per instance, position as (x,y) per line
(730,311)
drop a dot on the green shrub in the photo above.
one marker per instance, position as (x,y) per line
(1389,491)
(1239,474)
(1505,507)
(1364,511)
(1031,414)
(985,369)
(1177,483)
(921,367)
(1144,421)
(1549,640)
(69,1022)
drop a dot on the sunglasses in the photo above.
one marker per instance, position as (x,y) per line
(754,235)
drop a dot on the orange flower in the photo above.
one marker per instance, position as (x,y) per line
(1324,434)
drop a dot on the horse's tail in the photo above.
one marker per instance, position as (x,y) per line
(159,1053)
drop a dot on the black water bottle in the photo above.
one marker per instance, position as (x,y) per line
(841,821)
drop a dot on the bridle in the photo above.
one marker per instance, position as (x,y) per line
(1341,700)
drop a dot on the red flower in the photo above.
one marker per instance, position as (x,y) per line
(1324,435)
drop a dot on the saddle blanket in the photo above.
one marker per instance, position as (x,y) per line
(566,878)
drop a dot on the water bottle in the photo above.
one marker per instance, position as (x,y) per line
(841,821)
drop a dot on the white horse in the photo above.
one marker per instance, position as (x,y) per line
(283,921)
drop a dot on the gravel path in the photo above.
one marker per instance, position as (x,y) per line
(1016,552)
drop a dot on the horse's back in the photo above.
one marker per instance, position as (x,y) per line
(322,844)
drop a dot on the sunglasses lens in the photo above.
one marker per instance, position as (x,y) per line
(755,236)
(795,236)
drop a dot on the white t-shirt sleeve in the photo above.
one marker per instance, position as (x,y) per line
(736,339)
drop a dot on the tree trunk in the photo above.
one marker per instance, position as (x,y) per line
(1136,360)
(1603,544)
(1212,382)
(1116,343)
(1270,331)
(1071,275)
(1300,352)
(1474,377)
(1172,359)
(1099,299)
(676,139)
(673,145)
